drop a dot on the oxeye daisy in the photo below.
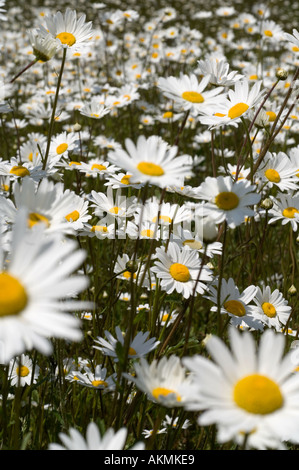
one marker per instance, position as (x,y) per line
(68,30)
(37,290)
(218,71)
(152,160)
(237,104)
(140,345)
(63,143)
(111,440)
(21,371)
(178,270)
(235,304)
(278,171)
(271,308)
(246,389)
(228,200)
(165,382)
(113,203)
(285,209)
(44,47)
(96,379)
(190,94)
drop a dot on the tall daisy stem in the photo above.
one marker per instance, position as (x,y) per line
(23,70)
(45,159)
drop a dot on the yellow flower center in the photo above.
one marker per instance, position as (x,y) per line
(61,148)
(179,272)
(269,309)
(13,296)
(193,97)
(290,212)
(268,33)
(97,383)
(35,218)
(271,115)
(253,77)
(114,210)
(272,175)
(74,163)
(258,394)
(66,38)
(132,352)
(22,371)
(150,169)
(19,170)
(72,216)
(125,179)
(98,166)
(165,317)
(235,307)
(147,233)
(227,200)
(99,228)
(168,115)
(237,110)
(163,218)
(219,114)
(128,275)
(161,391)
(194,244)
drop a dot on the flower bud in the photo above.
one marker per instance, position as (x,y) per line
(267,204)
(292,290)
(132,266)
(281,74)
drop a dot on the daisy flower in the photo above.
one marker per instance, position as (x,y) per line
(112,203)
(270,30)
(21,371)
(285,208)
(125,273)
(140,346)
(94,109)
(247,390)
(96,380)
(44,47)
(218,71)
(111,440)
(178,270)
(165,382)
(152,161)
(33,281)
(228,200)
(278,171)
(271,308)
(190,94)
(68,30)
(16,170)
(235,304)
(63,143)
(236,105)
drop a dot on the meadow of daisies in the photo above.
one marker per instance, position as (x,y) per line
(149,211)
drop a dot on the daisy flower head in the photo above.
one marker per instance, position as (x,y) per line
(69,31)
(235,304)
(237,104)
(63,143)
(228,200)
(21,371)
(278,171)
(153,161)
(190,94)
(37,291)
(271,308)
(286,209)
(93,440)
(44,47)
(218,71)
(247,389)
(94,109)
(96,379)
(139,347)
(165,382)
(293,39)
(179,269)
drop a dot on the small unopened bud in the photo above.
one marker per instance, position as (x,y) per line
(207,229)
(267,204)
(292,290)
(77,127)
(297,240)
(281,74)
(132,266)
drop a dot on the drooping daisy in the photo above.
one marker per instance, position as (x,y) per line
(96,379)
(37,290)
(235,304)
(111,440)
(165,382)
(139,347)
(152,160)
(286,209)
(247,390)
(113,203)
(94,109)
(236,105)
(271,308)
(190,94)
(228,200)
(178,270)
(44,47)
(68,30)
(21,371)
(218,71)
